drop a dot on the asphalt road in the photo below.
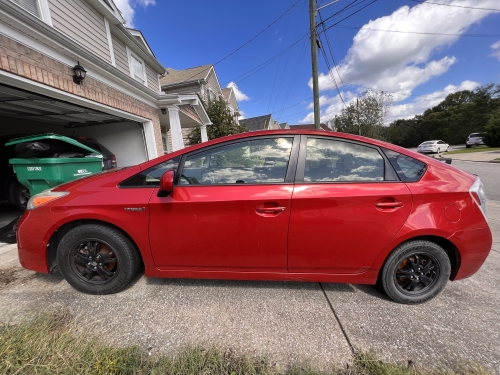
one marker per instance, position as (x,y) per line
(488,172)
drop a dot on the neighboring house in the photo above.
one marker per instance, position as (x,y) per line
(265,122)
(203,82)
(231,103)
(284,125)
(308,126)
(119,102)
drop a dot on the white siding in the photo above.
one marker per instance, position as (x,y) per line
(121,59)
(82,23)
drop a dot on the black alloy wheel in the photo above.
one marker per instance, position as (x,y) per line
(94,261)
(415,272)
(97,259)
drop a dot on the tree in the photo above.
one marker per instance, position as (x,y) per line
(366,116)
(223,123)
(492,131)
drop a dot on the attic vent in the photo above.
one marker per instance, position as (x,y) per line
(30,6)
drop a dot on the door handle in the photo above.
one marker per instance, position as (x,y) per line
(389,204)
(269,211)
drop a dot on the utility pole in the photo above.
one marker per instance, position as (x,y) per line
(314,60)
(357,112)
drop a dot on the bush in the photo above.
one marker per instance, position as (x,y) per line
(492,131)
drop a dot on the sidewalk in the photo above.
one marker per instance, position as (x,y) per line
(485,156)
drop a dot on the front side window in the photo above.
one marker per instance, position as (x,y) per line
(151,177)
(336,161)
(30,6)
(407,168)
(259,161)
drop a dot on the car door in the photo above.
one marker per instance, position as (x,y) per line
(229,209)
(347,204)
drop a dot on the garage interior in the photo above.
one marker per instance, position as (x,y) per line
(25,113)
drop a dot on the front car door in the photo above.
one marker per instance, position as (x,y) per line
(347,204)
(230,208)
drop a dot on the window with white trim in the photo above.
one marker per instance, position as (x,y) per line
(31,6)
(137,67)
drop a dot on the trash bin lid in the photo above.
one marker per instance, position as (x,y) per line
(57,137)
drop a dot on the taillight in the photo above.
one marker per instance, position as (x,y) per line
(477,193)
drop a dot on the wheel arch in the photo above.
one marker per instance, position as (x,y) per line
(56,237)
(447,245)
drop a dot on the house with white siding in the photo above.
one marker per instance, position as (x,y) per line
(119,102)
(201,81)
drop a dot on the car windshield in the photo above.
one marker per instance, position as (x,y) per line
(475,135)
(428,143)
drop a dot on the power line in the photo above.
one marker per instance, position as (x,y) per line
(411,32)
(454,6)
(244,44)
(267,62)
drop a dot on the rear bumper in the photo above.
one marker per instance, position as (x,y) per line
(474,246)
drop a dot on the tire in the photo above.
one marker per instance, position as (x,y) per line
(439,150)
(468,146)
(97,259)
(19,195)
(403,272)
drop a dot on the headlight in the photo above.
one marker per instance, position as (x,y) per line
(44,197)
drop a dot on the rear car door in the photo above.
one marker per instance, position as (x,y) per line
(347,204)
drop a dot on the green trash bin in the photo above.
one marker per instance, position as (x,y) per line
(38,174)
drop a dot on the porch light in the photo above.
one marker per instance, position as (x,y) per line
(80,73)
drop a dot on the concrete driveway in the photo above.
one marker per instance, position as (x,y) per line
(285,321)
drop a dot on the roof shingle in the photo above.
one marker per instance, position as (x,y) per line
(175,77)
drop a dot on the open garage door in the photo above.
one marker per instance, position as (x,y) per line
(27,113)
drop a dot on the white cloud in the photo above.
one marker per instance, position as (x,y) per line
(126,7)
(496,50)
(242,115)
(334,103)
(241,97)
(421,103)
(399,62)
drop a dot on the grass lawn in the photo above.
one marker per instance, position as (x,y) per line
(49,345)
(473,149)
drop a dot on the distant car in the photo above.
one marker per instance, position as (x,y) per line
(474,139)
(14,192)
(298,205)
(433,146)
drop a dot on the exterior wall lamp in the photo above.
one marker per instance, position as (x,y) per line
(80,73)
(163,111)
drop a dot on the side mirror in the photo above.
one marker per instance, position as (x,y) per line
(167,181)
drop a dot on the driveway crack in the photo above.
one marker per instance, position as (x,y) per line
(337,319)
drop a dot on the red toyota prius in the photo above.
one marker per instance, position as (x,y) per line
(268,205)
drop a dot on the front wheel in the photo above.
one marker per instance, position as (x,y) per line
(415,272)
(97,259)
(19,195)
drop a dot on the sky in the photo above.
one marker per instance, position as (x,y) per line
(417,51)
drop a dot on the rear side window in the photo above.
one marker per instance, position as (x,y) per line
(336,161)
(407,168)
(151,176)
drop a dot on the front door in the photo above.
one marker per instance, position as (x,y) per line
(229,210)
(344,208)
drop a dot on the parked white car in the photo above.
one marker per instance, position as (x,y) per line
(474,139)
(428,147)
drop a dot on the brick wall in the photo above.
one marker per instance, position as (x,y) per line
(26,62)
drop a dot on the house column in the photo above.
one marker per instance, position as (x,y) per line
(203,130)
(175,128)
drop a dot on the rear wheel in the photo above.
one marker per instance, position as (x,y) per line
(19,194)
(97,259)
(468,146)
(415,272)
